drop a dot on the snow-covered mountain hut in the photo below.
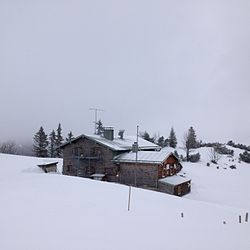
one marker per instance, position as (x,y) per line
(119,159)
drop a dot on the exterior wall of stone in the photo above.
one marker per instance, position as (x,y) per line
(138,175)
(76,159)
(165,188)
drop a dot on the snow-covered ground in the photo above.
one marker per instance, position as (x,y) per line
(218,183)
(51,211)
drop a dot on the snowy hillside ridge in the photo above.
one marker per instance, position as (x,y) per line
(205,153)
(27,164)
(50,211)
(225,183)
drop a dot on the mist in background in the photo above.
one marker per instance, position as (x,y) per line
(155,64)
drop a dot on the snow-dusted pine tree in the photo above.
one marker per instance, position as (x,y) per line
(52,144)
(192,138)
(161,141)
(99,128)
(147,137)
(166,142)
(40,146)
(189,142)
(172,138)
(70,137)
(59,141)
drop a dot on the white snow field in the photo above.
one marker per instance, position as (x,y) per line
(219,183)
(41,211)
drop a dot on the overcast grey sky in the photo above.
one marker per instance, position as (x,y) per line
(153,63)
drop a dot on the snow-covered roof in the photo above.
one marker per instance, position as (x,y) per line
(48,164)
(156,157)
(97,175)
(175,180)
(123,144)
(118,144)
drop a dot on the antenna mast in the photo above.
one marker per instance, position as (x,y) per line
(96,110)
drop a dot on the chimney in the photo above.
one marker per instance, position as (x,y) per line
(135,147)
(121,134)
(108,133)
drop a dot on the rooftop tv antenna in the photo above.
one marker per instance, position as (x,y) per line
(96,110)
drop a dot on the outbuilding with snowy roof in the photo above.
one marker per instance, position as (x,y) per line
(177,185)
(145,168)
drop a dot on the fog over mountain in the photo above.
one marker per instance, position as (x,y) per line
(155,64)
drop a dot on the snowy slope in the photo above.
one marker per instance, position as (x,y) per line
(219,183)
(51,211)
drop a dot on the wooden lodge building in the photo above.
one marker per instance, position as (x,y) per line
(121,160)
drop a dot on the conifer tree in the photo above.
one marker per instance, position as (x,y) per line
(166,142)
(192,138)
(52,144)
(59,141)
(40,146)
(161,141)
(172,138)
(70,137)
(99,127)
(147,137)
(190,141)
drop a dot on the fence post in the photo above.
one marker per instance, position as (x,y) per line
(129,195)
(239,218)
(246,219)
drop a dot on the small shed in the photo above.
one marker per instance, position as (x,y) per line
(98,177)
(49,167)
(176,185)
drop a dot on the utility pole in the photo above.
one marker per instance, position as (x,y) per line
(136,153)
(129,197)
(95,110)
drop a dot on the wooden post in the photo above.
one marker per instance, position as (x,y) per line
(129,196)
(246,219)
(136,153)
(239,218)
(182,215)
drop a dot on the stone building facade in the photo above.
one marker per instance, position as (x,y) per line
(84,157)
(116,160)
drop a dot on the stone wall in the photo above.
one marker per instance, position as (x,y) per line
(76,159)
(138,175)
(165,188)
